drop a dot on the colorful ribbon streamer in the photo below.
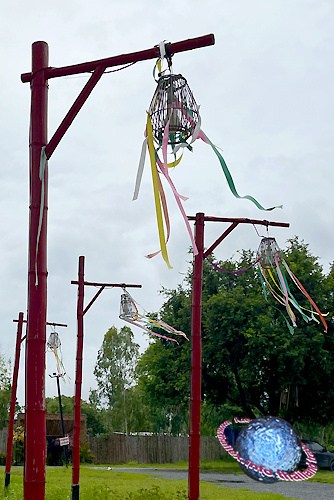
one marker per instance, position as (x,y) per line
(285,296)
(161,167)
(156,191)
(129,313)
(229,177)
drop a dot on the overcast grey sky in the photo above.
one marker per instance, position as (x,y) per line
(266,96)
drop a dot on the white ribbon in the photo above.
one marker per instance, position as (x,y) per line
(140,169)
(162,49)
(41,208)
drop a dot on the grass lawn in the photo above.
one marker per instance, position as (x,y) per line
(228,465)
(113,485)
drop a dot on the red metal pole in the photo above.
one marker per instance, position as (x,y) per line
(196,363)
(35,409)
(75,108)
(143,55)
(78,382)
(13,400)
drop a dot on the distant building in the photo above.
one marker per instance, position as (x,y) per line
(54,432)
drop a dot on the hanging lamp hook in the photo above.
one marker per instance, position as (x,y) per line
(267,227)
(165,54)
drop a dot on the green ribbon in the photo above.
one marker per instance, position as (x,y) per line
(290,328)
(230,180)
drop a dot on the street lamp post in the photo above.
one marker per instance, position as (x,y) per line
(196,342)
(65,446)
(40,149)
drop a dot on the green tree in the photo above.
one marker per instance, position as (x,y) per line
(137,413)
(115,373)
(250,359)
(67,403)
(164,369)
(95,425)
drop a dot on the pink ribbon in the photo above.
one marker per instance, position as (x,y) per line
(164,170)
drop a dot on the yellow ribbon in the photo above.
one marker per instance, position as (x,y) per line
(156,191)
(287,305)
(174,163)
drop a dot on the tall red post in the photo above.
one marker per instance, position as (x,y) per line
(78,382)
(35,409)
(13,400)
(196,363)
(35,414)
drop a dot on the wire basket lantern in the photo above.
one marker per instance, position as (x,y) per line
(54,345)
(173,101)
(128,310)
(53,342)
(173,125)
(274,274)
(266,252)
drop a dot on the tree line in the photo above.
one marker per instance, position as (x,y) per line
(252,364)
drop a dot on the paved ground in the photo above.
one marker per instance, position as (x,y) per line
(301,490)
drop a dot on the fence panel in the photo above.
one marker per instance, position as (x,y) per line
(3,440)
(120,449)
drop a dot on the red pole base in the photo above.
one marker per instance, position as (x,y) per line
(34,490)
(75,492)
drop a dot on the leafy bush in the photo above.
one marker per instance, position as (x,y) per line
(86,456)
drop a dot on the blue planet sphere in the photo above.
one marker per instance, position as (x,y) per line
(270,442)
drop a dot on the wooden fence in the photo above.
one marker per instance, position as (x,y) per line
(120,449)
(3,440)
(156,449)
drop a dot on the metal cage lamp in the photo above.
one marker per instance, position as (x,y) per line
(266,252)
(173,101)
(53,341)
(128,310)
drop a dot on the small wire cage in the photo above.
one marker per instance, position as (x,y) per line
(266,252)
(173,99)
(54,341)
(127,308)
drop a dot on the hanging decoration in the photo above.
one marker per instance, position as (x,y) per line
(173,121)
(129,312)
(273,271)
(54,345)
